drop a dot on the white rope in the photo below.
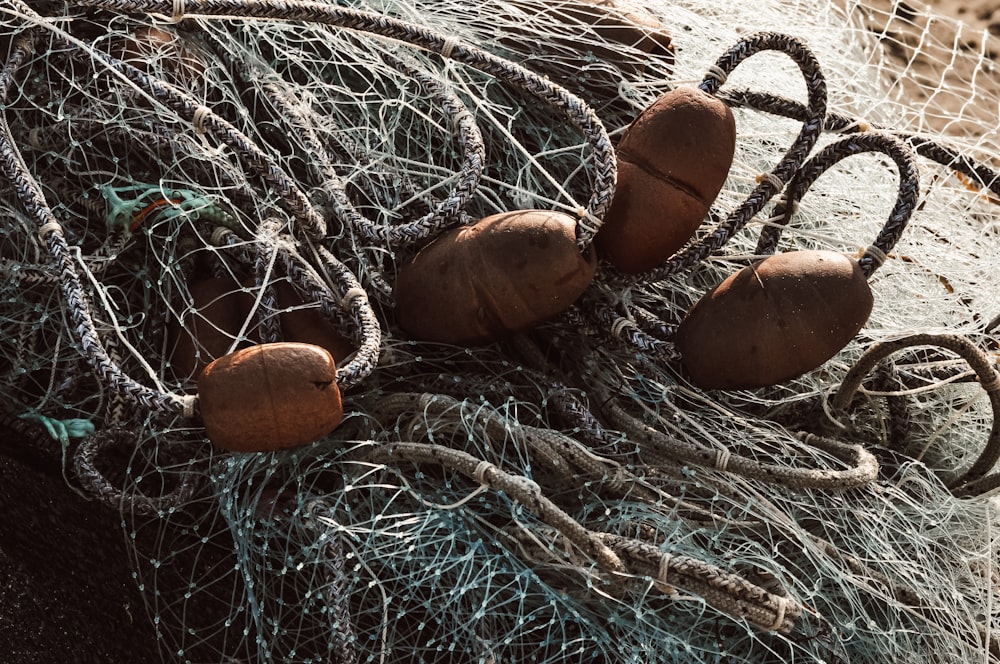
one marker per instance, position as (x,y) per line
(178,12)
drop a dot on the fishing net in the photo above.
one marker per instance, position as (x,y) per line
(184,179)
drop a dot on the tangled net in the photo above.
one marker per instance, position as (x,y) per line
(564,495)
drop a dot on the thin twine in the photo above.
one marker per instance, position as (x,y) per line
(779,617)
(718,73)
(482,468)
(189,405)
(772,179)
(352,294)
(722,458)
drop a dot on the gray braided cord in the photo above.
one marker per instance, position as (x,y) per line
(320,517)
(350,303)
(204,120)
(657,447)
(774,181)
(446,212)
(31,197)
(923,145)
(575,109)
(977,359)
(625,328)
(94,481)
(728,592)
(354,299)
(906,200)
(523,490)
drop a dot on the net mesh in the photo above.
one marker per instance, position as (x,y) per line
(564,495)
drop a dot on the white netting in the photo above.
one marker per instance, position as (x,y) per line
(561,496)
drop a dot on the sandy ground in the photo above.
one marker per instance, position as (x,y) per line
(948,56)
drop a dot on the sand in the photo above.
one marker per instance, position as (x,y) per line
(946,55)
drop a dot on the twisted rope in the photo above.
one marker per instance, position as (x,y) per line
(351,303)
(575,109)
(206,121)
(771,182)
(977,359)
(446,212)
(50,232)
(906,199)
(923,145)
(657,448)
(94,481)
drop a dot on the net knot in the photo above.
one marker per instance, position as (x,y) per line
(49,227)
(771,179)
(198,119)
(189,402)
(448,46)
(351,295)
(178,11)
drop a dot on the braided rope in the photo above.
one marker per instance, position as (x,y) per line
(574,108)
(770,183)
(334,307)
(94,481)
(523,490)
(660,449)
(906,200)
(727,592)
(625,329)
(977,359)
(446,212)
(30,194)
(206,121)
(923,145)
